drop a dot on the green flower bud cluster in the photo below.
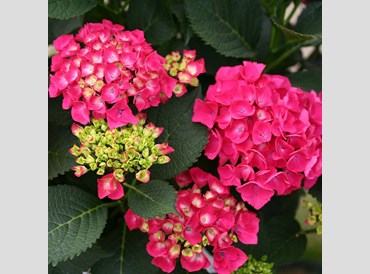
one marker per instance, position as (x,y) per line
(127,149)
(175,64)
(315,215)
(254,266)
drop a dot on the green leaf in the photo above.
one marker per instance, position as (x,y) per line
(59,27)
(307,80)
(80,263)
(294,36)
(60,140)
(281,205)
(155,198)
(155,20)
(214,60)
(186,137)
(231,27)
(310,20)
(56,114)
(65,9)
(280,239)
(129,253)
(179,10)
(76,220)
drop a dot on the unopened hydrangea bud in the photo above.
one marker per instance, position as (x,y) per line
(75,150)
(119,175)
(79,170)
(174,251)
(143,176)
(163,159)
(76,129)
(187,252)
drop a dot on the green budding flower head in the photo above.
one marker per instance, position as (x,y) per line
(314,217)
(123,150)
(254,266)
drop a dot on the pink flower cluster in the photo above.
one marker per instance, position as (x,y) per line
(266,133)
(97,71)
(208,216)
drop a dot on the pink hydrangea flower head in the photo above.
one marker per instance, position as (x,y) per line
(258,123)
(208,216)
(106,61)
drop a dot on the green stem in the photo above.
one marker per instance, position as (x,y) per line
(296,5)
(112,204)
(134,182)
(281,58)
(122,247)
(273,39)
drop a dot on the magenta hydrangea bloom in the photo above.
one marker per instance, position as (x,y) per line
(266,134)
(208,216)
(104,65)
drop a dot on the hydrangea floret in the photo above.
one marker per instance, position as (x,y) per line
(209,217)
(266,134)
(118,152)
(185,69)
(100,68)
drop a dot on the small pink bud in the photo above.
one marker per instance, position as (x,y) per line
(79,170)
(76,129)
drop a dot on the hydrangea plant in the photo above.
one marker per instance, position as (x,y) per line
(180,137)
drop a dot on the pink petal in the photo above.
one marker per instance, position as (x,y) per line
(224,118)
(261,132)
(191,231)
(247,227)
(297,162)
(165,263)
(130,219)
(120,114)
(111,72)
(251,71)
(278,182)
(80,113)
(195,262)
(227,175)
(263,97)
(156,248)
(228,73)
(86,68)
(205,112)
(183,179)
(214,145)
(241,109)
(195,68)
(110,55)
(118,193)
(207,216)
(62,41)
(255,194)
(199,176)
(237,131)
(110,93)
